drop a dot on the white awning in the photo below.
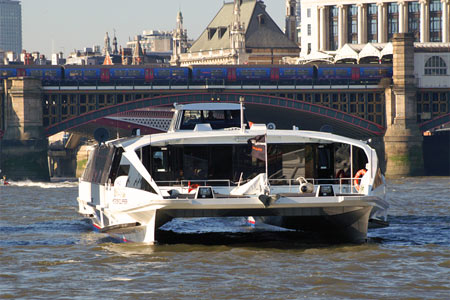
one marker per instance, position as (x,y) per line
(316,56)
(371,50)
(348,51)
(387,50)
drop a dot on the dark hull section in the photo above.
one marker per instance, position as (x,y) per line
(344,224)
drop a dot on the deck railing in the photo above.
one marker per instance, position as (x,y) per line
(341,185)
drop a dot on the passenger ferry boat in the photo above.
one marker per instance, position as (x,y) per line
(212,163)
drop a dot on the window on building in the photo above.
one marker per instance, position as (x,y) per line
(261,19)
(372,22)
(309,29)
(392,20)
(308,13)
(352,24)
(222,31)
(211,32)
(414,19)
(435,66)
(435,21)
(333,30)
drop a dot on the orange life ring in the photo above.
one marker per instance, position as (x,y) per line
(358,175)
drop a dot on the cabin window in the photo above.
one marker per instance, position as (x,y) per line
(99,164)
(324,158)
(286,162)
(324,166)
(121,173)
(160,164)
(195,162)
(160,160)
(118,168)
(215,164)
(359,160)
(218,119)
(342,160)
(136,181)
(214,115)
(191,118)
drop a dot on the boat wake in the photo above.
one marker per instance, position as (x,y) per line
(45,185)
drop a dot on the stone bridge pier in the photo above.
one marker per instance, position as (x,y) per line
(23,152)
(403,139)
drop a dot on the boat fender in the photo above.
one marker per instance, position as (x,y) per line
(305,186)
(358,176)
(173,193)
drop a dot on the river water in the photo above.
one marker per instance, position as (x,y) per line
(48,252)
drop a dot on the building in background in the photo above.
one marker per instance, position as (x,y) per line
(87,56)
(329,25)
(242,32)
(298,15)
(11,26)
(179,41)
(291,20)
(153,41)
(7,57)
(58,59)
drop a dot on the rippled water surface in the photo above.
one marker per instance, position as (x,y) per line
(48,252)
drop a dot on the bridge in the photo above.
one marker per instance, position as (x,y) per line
(356,111)
(282,108)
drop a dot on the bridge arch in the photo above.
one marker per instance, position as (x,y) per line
(435,123)
(309,113)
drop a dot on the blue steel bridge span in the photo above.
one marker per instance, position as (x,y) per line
(261,108)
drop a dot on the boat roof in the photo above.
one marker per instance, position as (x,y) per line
(236,136)
(208,106)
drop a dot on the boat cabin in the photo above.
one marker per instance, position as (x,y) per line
(227,165)
(286,162)
(229,160)
(206,116)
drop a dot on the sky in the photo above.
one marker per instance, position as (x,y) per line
(50,26)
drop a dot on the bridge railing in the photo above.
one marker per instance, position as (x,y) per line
(140,84)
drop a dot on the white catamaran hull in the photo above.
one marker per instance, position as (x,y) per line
(343,218)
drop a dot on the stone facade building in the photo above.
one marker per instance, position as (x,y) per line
(329,25)
(242,32)
(180,41)
(291,20)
